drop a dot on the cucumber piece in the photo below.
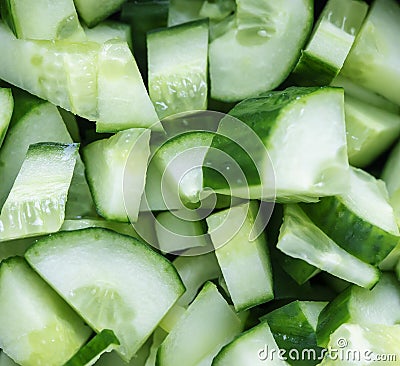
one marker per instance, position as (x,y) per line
(122,284)
(36,203)
(103,342)
(182,11)
(217,9)
(15,247)
(298,269)
(123,101)
(176,233)
(37,327)
(194,272)
(177,62)
(330,43)
(180,160)
(361,306)
(293,327)
(373,62)
(94,11)
(6,110)
(71,123)
(300,238)
(357,345)
(365,95)
(361,220)
(43,19)
(5,360)
(207,325)
(370,131)
(116,170)
(289,126)
(107,30)
(265,40)
(251,348)
(243,259)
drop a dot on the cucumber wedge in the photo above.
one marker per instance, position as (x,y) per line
(361,220)
(101,343)
(36,203)
(6,110)
(43,19)
(361,306)
(116,171)
(373,62)
(332,39)
(94,11)
(182,11)
(265,40)
(113,281)
(244,260)
(181,86)
(108,30)
(300,238)
(37,327)
(274,137)
(251,348)
(207,325)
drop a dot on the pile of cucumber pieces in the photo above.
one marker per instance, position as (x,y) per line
(127,235)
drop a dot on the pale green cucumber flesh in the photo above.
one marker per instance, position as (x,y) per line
(6,110)
(94,11)
(123,285)
(37,326)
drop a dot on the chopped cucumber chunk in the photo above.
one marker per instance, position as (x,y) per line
(6,110)
(108,30)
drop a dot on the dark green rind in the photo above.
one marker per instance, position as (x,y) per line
(333,315)
(91,351)
(260,114)
(298,269)
(358,237)
(311,71)
(6,15)
(292,330)
(24,103)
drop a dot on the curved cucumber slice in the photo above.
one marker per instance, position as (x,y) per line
(6,110)
(361,220)
(36,203)
(250,348)
(300,238)
(182,85)
(103,342)
(43,19)
(289,126)
(373,62)
(331,42)
(361,306)
(116,171)
(36,325)
(265,40)
(206,326)
(113,281)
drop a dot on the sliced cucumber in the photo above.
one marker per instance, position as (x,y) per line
(243,259)
(298,269)
(301,238)
(194,272)
(251,348)
(101,343)
(43,19)
(107,30)
(361,220)
(36,203)
(207,325)
(94,11)
(6,110)
(116,170)
(123,101)
(122,285)
(5,360)
(359,345)
(332,39)
(370,131)
(182,11)
(361,306)
(373,62)
(179,85)
(265,40)
(176,234)
(37,327)
(289,126)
